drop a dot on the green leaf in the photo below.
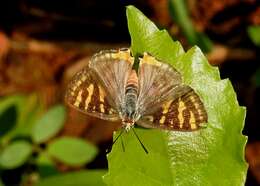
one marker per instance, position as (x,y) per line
(80,178)
(10,109)
(211,156)
(46,166)
(15,154)
(162,39)
(30,112)
(7,120)
(253,32)
(49,125)
(72,151)
(8,101)
(1,183)
(27,109)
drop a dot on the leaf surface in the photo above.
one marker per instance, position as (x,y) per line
(80,178)
(211,156)
(72,151)
(15,154)
(49,125)
(253,32)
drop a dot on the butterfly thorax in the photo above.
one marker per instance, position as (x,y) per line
(129,111)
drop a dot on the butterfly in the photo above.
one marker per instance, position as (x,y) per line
(153,96)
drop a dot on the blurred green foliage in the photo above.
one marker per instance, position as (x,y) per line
(183,158)
(27,137)
(49,124)
(257,78)
(179,13)
(254,34)
(80,178)
(72,151)
(10,115)
(46,166)
(7,116)
(15,154)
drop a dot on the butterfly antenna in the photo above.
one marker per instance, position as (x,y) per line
(140,142)
(118,137)
(109,149)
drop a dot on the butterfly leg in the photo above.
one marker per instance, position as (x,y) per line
(122,143)
(109,149)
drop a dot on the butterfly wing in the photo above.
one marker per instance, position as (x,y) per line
(85,92)
(158,82)
(186,113)
(161,92)
(113,68)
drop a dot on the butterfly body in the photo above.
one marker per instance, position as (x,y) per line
(129,113)
(152,97)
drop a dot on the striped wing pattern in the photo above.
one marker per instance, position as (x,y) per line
(86,94)
(186,113)
(99,89)
(163,101)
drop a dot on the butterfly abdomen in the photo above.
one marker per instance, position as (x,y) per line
(131,95)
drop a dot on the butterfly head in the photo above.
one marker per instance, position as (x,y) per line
(129,119)
(127,124)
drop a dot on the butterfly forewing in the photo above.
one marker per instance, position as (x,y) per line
(158,82)
(113,68)
(86,94)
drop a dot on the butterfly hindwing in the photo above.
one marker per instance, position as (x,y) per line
(186,113)
(86,94)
